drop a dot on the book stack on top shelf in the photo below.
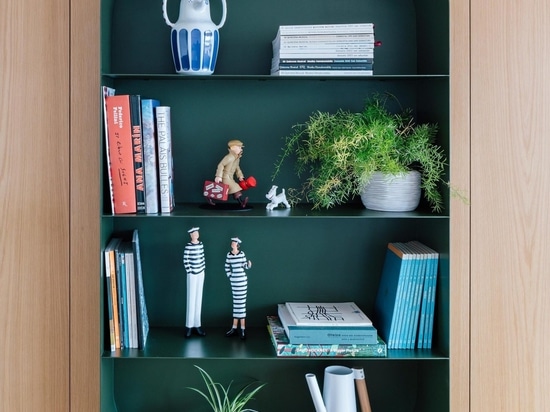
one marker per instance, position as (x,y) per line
(324,50)
(405,300)
(324,329)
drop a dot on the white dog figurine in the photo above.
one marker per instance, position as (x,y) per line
(276,199)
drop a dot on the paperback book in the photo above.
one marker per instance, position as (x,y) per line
(327,314)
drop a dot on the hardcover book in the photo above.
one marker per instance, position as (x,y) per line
(108,91)
(165,164)
(121,157)
(137,145)
(283,348)
(333,334)
(327,314)
(150,154)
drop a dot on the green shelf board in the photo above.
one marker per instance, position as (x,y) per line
(258,210)
(170,343)
(261,77)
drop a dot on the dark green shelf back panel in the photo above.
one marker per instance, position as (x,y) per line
(297,255)
(414,34)
(291,261)
(161,385)
(207,114)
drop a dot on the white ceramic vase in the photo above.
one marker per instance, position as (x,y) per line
(392,193)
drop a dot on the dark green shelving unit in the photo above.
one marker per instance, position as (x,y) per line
(298,254)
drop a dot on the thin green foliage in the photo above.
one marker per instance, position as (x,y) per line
(218,396)
(338,152)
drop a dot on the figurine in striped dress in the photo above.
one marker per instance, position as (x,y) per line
(235,265)
(194,264)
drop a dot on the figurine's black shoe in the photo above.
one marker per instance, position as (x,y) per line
(188,332)
(243,202)
(231,332)
(210,201)
(243,334)
(199,331)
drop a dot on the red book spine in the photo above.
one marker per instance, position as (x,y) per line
(121,157)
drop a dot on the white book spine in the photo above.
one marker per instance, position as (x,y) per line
(323,73)
(164,137)
(327,28)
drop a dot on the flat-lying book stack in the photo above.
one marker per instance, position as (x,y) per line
(324,50)
(283,348)
(326,323)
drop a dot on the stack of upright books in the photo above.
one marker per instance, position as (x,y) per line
(138,142)
(405,302)
(324,329)
(324,50)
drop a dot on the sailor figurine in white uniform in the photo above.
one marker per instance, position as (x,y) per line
(195,265)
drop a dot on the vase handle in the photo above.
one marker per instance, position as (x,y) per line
(165,14)
(224,14)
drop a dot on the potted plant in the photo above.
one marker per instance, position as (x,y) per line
(342,152)
(218,396)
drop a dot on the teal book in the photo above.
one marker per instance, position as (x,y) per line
(283,348)
(405,301)
(433,270)
(122,295)
(418,286)
(142,316)
(388,303)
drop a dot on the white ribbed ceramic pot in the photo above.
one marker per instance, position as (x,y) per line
(392,193)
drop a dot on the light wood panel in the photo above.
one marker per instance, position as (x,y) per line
(460,208)
(84,184)
(510,303)
(34,205)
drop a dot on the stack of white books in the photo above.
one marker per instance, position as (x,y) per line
(334,323)
(324,50)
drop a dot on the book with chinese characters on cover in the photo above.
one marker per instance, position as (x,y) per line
(327,314)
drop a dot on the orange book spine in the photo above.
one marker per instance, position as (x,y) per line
(119,132)
(112,262)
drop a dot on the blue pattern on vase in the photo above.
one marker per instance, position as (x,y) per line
(215,50)
(194,37)
(195,49)
(207,50)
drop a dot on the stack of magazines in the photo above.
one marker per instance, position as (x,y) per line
(324,50)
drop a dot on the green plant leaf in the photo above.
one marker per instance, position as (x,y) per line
(338,152)
(218,396)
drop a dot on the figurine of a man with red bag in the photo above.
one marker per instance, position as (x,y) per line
(229,168)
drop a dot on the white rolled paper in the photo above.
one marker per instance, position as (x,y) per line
(315,392)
